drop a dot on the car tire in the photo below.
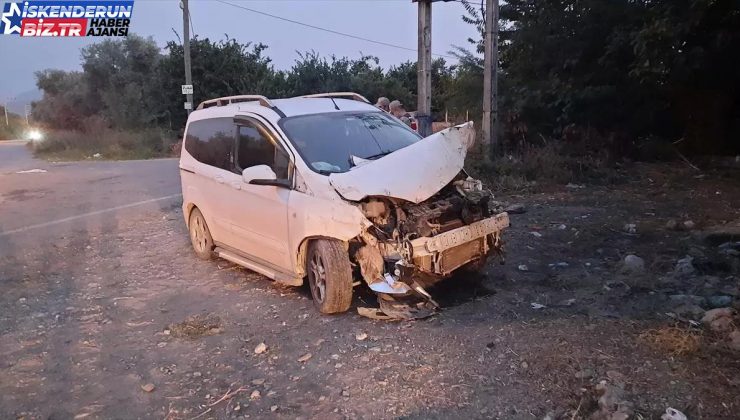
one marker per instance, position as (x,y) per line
(200,235)
(329,276)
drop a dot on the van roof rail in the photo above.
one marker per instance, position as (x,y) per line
(226,100)
(343,95)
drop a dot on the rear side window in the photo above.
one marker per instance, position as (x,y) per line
(255,147)
(211,142)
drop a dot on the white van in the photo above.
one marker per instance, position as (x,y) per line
(331,188)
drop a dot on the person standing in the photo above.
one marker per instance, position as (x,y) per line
(398,111)
(383,103)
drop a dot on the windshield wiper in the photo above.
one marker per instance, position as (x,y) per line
(379,155)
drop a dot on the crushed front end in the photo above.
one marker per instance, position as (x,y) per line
(411,246)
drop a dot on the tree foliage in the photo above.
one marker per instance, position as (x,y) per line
(621,70)
(610,73)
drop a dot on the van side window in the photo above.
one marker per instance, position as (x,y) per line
(255,147)
(211,142)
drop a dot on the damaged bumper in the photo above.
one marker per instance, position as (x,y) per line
(450,250)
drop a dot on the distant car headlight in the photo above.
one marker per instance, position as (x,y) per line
(35,135)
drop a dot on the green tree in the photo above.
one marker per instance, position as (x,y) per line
(65,103)
(118,75)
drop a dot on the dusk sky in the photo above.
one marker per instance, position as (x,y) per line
(391,21)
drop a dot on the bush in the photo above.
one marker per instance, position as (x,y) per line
(96,138)
(16,127)
(554,162)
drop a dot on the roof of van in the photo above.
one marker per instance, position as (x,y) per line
(291,107)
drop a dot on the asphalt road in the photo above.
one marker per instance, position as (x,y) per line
(38,206)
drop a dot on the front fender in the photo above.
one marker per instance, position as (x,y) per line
(312,217)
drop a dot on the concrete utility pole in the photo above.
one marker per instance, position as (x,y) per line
(490,80)
(424,69)
(6,113)
(186,48)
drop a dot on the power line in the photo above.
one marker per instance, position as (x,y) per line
(401,47)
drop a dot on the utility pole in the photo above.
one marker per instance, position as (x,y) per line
(490,80)
(186,48)
(424,69)
(5,107)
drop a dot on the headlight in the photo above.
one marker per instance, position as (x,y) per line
(35,135)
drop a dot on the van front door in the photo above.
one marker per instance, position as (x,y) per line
(259,213)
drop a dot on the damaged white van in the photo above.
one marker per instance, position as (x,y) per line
(329,188)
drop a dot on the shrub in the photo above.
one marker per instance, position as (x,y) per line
(96,137)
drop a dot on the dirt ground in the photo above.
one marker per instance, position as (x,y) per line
(120,320)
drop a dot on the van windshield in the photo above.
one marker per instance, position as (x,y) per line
(333,142)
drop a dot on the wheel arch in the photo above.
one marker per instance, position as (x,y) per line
(302,251)
(188,210)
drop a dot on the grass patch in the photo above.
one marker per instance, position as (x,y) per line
(675,341)
(197,326)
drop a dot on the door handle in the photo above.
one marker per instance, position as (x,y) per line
(219,179)
(236,185)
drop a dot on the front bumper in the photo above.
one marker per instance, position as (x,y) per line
(444,253)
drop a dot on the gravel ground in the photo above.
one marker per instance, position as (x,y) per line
(112,316)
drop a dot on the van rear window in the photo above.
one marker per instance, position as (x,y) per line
(211,142)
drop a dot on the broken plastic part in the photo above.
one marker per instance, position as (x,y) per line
(390,285)
(405,308)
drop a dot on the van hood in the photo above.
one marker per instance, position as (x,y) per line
(413,173)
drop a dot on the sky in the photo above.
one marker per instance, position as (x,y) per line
(390,21)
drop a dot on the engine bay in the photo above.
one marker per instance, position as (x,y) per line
(412,246)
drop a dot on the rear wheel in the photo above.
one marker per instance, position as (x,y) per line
(329,276)
(200,236)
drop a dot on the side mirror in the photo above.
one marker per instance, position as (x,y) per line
(263,175)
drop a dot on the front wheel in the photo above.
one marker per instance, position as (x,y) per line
(200,236)
(329,276)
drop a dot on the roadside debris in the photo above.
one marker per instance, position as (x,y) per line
(305,358)
(536,305)
(148,387)
(373,313)
(673,414)
(360,336)
(536,234)
(561,264)
(523,267)
(32,171)
(400,308)
(630,228)
(261,348)
(611,402)
(633,264)
(516,209)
